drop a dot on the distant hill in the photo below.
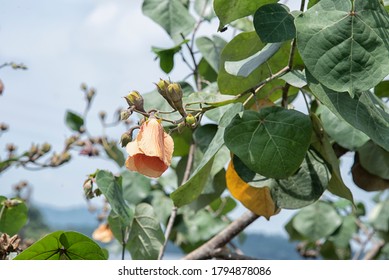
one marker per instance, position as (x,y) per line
(260,246)
(77,219)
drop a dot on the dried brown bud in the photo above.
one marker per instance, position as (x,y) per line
(84,87)
(65,157)
(1,87)
(3,126)
(11,147)
(102,115)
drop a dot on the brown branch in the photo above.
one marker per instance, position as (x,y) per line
(225,254)
(372,253)
(206,250)
(173,214)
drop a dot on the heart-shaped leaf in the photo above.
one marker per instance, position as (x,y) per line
(345,45)
(61,245)
(272,142)
(274,23)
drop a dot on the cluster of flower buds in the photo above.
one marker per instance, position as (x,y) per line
(37,151)
(172,92)
(59,159)
(8,245)
(89,92)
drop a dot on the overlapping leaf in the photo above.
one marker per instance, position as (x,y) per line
(189,191)
(345,45)
(274,23)
(61,245)
(364,111)
(272,142)
(230,10)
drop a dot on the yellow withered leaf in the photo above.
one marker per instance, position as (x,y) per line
(258,200)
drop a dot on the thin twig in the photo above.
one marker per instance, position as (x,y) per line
(206,250)
(173,214)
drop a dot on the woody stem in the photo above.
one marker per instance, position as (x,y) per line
(173,214)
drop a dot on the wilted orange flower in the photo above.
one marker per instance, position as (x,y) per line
(103,234)
(151,152)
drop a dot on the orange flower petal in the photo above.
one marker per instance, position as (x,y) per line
(103,234)
(151,152)
(151,139)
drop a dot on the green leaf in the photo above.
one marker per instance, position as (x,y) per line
(114,153)
(248,65)
(61,245)
(354,60)
(272,142)
(204,134)
(322,145)
(230,10)
(162,205)
(294,235)
(223,205)
(206,71)
(146,236)
(295,78)
(13,215)
(317,221)
(211,192)
(182,140)
(374,159)
(273,23)
(342,237)
(242,46)
(211,50)
(166,56)
(342,132)
(363,112)
(382,89)
(136,187)
(189,191)
(204,8)
(303,188)
(171,15)
(112,190)
(299,190)
(74,121)
(379,218)
(119,229)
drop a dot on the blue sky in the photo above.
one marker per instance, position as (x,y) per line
(106,44)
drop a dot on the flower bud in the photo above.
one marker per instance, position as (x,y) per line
(102,115)
(190,119)
(88,188)
(91,93)
(175,92)
(125,139)
(33,150)
(65,157)
(135,99)
(46,147)
(125,114)
(84,87)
